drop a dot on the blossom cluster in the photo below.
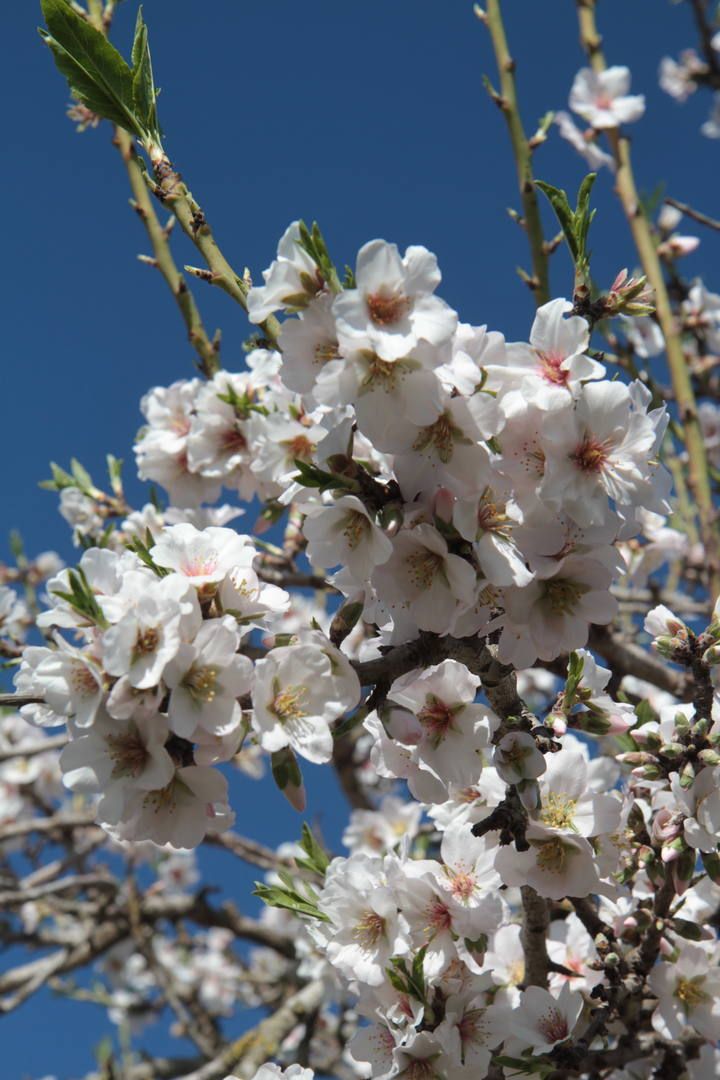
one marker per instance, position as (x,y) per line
(457,484)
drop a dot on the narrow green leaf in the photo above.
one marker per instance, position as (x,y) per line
(317,859)
(144,94)
(276,897)
(81,476)
(559,201)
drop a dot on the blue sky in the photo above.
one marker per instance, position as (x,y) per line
(370,117)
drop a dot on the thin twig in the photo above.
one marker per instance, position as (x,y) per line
(696,215)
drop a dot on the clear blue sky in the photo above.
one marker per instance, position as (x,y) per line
(369,116)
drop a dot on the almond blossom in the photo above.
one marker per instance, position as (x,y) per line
(602,97)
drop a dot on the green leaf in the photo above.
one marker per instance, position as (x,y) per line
(114,467)
(144,94)
(82,477)
(645,713)
(576,663)
(583,214)
(317,858)
(142,550)
(526,1066)
(95,70)
(559,201)
(274,896)
(686,929)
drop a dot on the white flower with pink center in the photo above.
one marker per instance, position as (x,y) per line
(366,927)
(555,865)
(345,534)
(552,615)
(556,356)
(469,881)
(299,690)
(181,813)
(602,449)
(451,733)
(204,556)
(602,98)
(392,307)
(423,580)
(540,1021)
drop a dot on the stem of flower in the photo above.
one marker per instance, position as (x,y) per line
(698,473)
(207,351)
(508,103)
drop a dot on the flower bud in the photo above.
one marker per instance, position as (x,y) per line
(666,826)
(709,757)
(391,518)
(286,774)
(683,870)
(636,758)
(647,737)
(711,863)
(648,772)
(701,727)
(673,750)
(711,656)
(672,851)
(344,620)
(629,296)
(687,776)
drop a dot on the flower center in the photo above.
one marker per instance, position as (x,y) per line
(287,703)
(563,595)
(201,565)
(551,855)
(233,440)
(128,753)
(326,351)
(553,1026)
(355,527)
(558,811)
(490,518)
(437,718)
(202,683)
(590,456)
(369,930)
(299,447)
(690,991)
(83,680)
(385,310)
(423,567)
(438,916)
(146,642)
(440,437)
(551,368)
(462,886)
